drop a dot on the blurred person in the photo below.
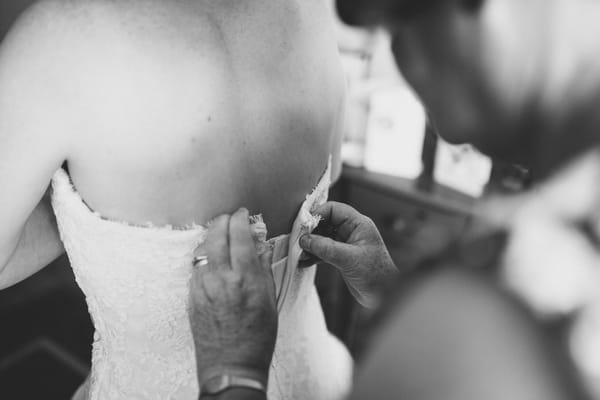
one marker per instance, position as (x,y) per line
(149,118)
(449,332)
(518,79)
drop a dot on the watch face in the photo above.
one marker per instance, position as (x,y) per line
(215,385)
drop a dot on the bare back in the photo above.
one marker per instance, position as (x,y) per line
(185,110)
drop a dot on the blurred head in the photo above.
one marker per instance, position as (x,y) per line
(500,74)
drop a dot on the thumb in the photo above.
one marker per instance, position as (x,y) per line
(266,258)
(338,254)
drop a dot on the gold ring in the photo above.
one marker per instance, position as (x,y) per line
(200,261)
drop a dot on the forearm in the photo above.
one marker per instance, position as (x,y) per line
(37,246)
(237,394)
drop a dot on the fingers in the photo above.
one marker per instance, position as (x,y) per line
(307,260)
(341,217)
(335,253)
(265,262)
(216,244)
(242,248)
(266,259)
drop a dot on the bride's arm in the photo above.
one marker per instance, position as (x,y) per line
(32,143)
(39,244)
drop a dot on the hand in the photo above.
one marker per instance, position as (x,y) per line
(354,246)
(233,310)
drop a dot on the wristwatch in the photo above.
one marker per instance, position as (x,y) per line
(228,379)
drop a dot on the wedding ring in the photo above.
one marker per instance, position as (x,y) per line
(200,261)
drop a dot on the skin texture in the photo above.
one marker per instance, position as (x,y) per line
(234,312)
(169,112)
(350,242)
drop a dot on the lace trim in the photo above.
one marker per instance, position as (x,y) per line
(62,181)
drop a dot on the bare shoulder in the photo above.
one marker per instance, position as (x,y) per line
(51,21)
(59,31)
(37,58)
(46,42)
(90,52)
(79,21)
(93,35)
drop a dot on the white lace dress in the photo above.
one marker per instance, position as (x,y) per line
(135,279)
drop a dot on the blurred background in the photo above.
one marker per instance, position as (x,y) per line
(418,203)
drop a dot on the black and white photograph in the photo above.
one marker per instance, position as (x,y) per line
(299,200)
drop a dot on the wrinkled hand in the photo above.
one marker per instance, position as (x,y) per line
(351,242)
(233,311)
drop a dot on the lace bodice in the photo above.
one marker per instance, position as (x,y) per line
(135,279)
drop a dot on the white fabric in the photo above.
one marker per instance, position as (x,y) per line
(135,279)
